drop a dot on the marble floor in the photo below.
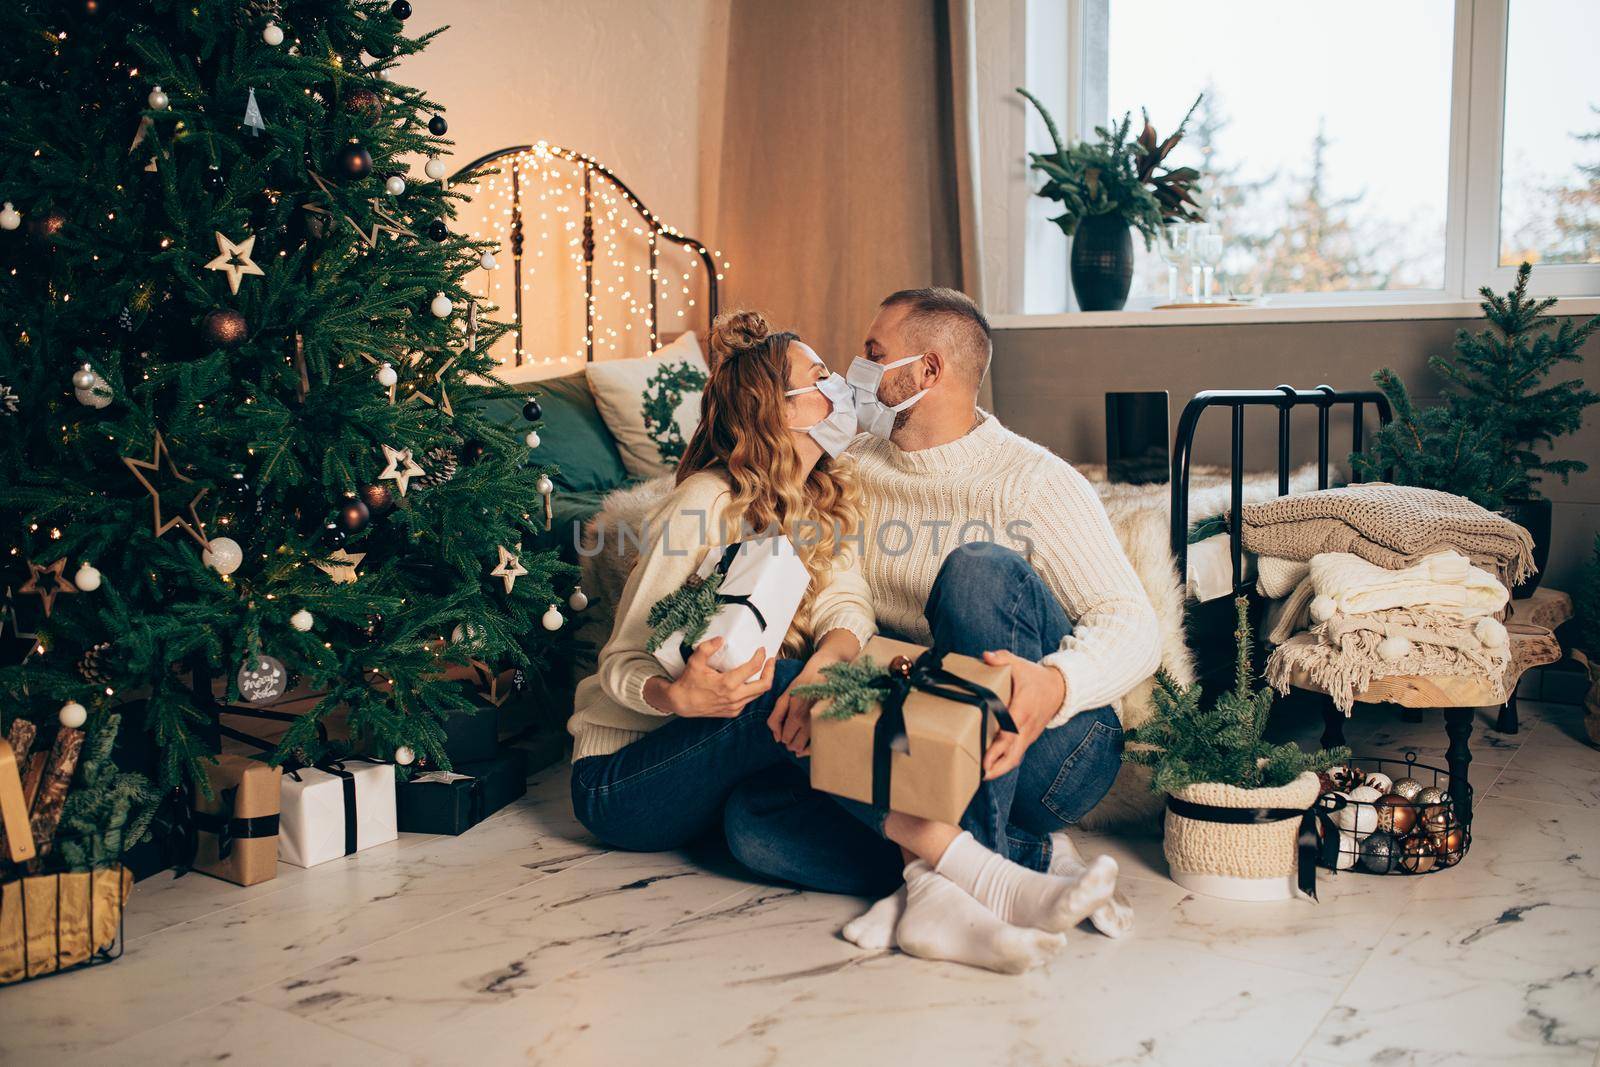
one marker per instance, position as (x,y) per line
(524,941)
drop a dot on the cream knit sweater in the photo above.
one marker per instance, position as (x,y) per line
(609,708)
(997,486)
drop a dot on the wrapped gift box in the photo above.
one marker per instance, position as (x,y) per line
(336,809)
(237,827)
(929,765)
(452,802)
(763,582)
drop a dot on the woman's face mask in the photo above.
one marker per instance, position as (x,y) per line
(865,377)
(838,429)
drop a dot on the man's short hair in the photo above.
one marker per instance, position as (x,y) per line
(949,320)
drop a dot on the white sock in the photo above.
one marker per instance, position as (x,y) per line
(941,922)
(1114,918)
(874,928)
(1023,897)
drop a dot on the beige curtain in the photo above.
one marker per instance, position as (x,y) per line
(838,180)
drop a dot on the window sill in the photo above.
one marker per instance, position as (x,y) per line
(1240,316)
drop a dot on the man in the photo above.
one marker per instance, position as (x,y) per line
(984,543)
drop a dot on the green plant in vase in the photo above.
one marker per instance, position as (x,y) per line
(1108,187)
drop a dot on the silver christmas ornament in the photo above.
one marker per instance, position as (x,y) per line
(1380,852)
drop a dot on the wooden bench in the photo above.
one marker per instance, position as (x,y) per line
(1458,697)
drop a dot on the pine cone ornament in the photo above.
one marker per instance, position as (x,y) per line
(92,665)
(1346,778)
(438,467)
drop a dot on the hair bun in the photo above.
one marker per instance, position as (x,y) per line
(735,331)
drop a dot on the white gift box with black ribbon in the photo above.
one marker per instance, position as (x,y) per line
(334,810)
(763,582)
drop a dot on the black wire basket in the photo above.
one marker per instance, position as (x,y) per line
(63,910)
(1416,825)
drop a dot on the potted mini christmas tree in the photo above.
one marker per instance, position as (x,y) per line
(242,381)
(1483,441)
(1236,802)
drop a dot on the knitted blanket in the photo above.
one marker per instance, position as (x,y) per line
(1345,653)
(1442,581)
(1393,526)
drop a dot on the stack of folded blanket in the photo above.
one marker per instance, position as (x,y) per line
(1390,580)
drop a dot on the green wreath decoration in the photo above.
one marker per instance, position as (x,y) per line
(663,392)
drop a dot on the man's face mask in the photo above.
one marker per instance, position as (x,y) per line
(865,376)
(839,428)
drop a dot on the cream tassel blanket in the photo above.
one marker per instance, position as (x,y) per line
(1340,582)
(1393,526)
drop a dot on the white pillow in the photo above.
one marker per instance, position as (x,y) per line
(651,405)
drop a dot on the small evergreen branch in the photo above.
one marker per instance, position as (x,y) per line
(851,688)
(688,608)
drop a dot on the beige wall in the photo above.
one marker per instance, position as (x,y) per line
(623,80)
(1050,385)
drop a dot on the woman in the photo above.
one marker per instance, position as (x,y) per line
(654,758)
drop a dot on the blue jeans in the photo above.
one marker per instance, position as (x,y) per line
(669,786)
(985,597)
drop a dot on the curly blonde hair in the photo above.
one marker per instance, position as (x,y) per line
(744,433)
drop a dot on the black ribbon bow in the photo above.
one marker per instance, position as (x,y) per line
(1311,848)
(926,674)
(728,555)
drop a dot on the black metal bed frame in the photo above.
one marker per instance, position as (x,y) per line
(658,231)
(1285,398)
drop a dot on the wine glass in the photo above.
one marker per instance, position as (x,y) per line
(1209,253)
(1194,233)
(1172,244)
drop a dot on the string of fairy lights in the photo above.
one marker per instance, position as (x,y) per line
(549,195)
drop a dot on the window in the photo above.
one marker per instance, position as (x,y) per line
(1371,151)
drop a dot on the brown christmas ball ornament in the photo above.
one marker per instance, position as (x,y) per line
(1396,815)
(377,498)
(365,102)
(1417,855)
(353,516)
(1448,844)
(224,328)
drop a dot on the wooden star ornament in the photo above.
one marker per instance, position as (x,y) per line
(186,519)
(341,566)
(401,468)
(54,585)
(510,568)
(235,259)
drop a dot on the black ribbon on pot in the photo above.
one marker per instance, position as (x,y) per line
(230,828)
(1311,848)
(728,556)
(926,675)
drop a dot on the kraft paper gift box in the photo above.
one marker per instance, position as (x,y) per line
(335,810)
(932,768)
(237,827)
(763,582)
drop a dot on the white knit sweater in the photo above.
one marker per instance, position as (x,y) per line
(1032,501)
(609,708)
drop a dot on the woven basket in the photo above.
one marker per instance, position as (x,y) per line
(1238,861)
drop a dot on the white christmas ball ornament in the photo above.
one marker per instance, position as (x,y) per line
(272,33)
(302,620)
(1358,820)
(395,185)
(98,396)
(1380,781)
(434,168)
(486,261)
(1349,851)
(404,756)
(552,619)
(223,555)
(532,439)
(72,715)
(441,306)
(577,601)
(157,99)
(84,378)
(11,218)
(544,485)
(87,578)
(387,376)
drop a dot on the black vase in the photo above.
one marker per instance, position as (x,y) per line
(1102,263)
(1533,516)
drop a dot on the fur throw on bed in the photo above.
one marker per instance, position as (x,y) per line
(1140,516)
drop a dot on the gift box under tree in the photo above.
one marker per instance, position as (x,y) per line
(452,802)
(905,728)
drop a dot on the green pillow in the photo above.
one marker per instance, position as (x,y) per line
(573,438)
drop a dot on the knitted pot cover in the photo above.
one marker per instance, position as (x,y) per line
(1238,850)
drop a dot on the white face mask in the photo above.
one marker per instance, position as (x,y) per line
(865,376)
(839,428)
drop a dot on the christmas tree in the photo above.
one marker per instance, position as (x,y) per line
(1184,743)
(242,379)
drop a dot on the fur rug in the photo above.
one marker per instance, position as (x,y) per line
(1140,516)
